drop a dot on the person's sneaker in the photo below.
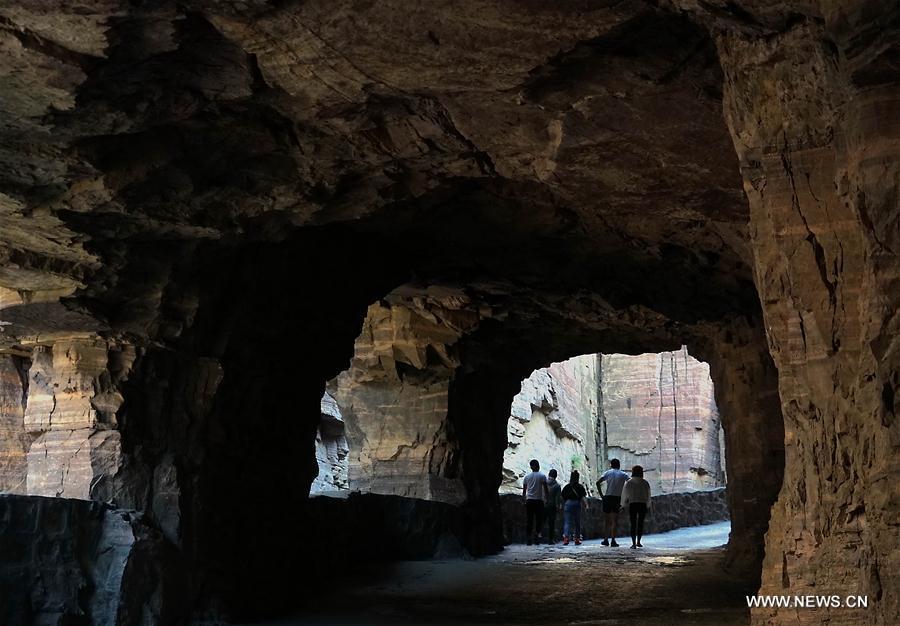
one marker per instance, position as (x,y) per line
(565,540)
(604,543)
(614,544)
(578,542)
(639,545)
(633,546)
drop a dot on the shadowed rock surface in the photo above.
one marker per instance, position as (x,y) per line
(69,561)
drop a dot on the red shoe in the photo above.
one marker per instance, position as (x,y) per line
(578,542)
(565,540)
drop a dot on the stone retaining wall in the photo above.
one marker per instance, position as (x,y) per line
(371,527)
(667,512)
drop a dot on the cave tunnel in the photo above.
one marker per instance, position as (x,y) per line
(209,211)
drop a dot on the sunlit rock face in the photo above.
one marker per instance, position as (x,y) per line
(659,411)
(394,397)
(331,449)
(59,417)
(656,410)
(71,412)
(554,419)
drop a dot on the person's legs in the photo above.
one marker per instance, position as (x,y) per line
(539,514)
(529,520)
(632,515)
(611,519)
(567,521)
(550,514)
(577,515)
(641,514)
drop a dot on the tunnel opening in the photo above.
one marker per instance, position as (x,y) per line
(437,406)
(657,411)
(435,377)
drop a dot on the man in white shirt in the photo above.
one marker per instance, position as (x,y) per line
(615,480)
(534,490)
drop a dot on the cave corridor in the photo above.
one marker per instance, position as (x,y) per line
(204,205)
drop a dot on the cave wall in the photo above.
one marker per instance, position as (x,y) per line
(71,412)
(219,432)
(394,396)
(659,411)
(14,441)
(59,416)
(553,419)
(813,111)
(71,561)
(746,393)
(331,449)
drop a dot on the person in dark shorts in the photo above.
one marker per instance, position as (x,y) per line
(615,480)
(636,500)
(554,501)
(534,490)
(574,497)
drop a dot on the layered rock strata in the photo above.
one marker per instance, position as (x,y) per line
(394,397)
(14,441)
(659,411)
(814,112)
(554,419)
(59,415)
(71,412)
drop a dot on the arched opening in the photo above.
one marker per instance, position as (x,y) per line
(428,417)
(657,411)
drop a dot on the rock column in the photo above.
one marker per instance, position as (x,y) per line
(814,113)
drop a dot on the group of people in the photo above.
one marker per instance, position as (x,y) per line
(545,497)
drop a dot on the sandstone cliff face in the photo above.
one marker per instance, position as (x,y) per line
(331,449)
(394,397)
(554,419)
(813,112)
(59,416)
(659,411)
(14,441)
(71,410)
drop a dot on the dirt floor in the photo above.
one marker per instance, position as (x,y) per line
(676,579)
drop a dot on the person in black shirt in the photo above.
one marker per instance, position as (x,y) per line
(554,500)
(574,499)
